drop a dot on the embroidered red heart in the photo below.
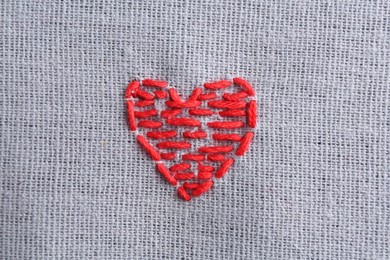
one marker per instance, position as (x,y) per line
(196,139)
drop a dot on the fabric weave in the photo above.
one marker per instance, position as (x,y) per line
(315,184)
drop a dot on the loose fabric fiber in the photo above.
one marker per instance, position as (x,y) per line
(315,183)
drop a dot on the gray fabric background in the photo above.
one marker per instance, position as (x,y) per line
(314,185)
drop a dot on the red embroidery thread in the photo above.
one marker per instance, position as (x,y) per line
(195,135)
(168,156)
(180,167)
(163,142)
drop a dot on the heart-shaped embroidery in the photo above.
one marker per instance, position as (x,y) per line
(196,139)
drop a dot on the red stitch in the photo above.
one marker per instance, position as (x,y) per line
(132,86)
(226,124)
(148,148)
(215,149)
(235,96)
(160,94)
(183,122)
(154,83)
(180,167)
(166,174)
(135,92)
(246,141)
(232,112)
(173,145)
(174,95)
(184,176)
(224,168)
(245,85)
(202,188)
(193,157)
(227,104)
(227,137)
(130,115)
(205,175)
(205,168)
(188,104)
(183,194)
(195,135)
(168,156)
(207,96)
(146,113)
(190,186)
(217,84)
(144,103)
(170,113)
(149,124)
(162,134)
(233,104)
(216,157)
(252,114)
(200,112)
(195,94)
(144,95)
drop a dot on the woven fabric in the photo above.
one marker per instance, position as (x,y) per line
(315,183)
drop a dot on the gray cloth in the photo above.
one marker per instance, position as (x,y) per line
(76,185)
